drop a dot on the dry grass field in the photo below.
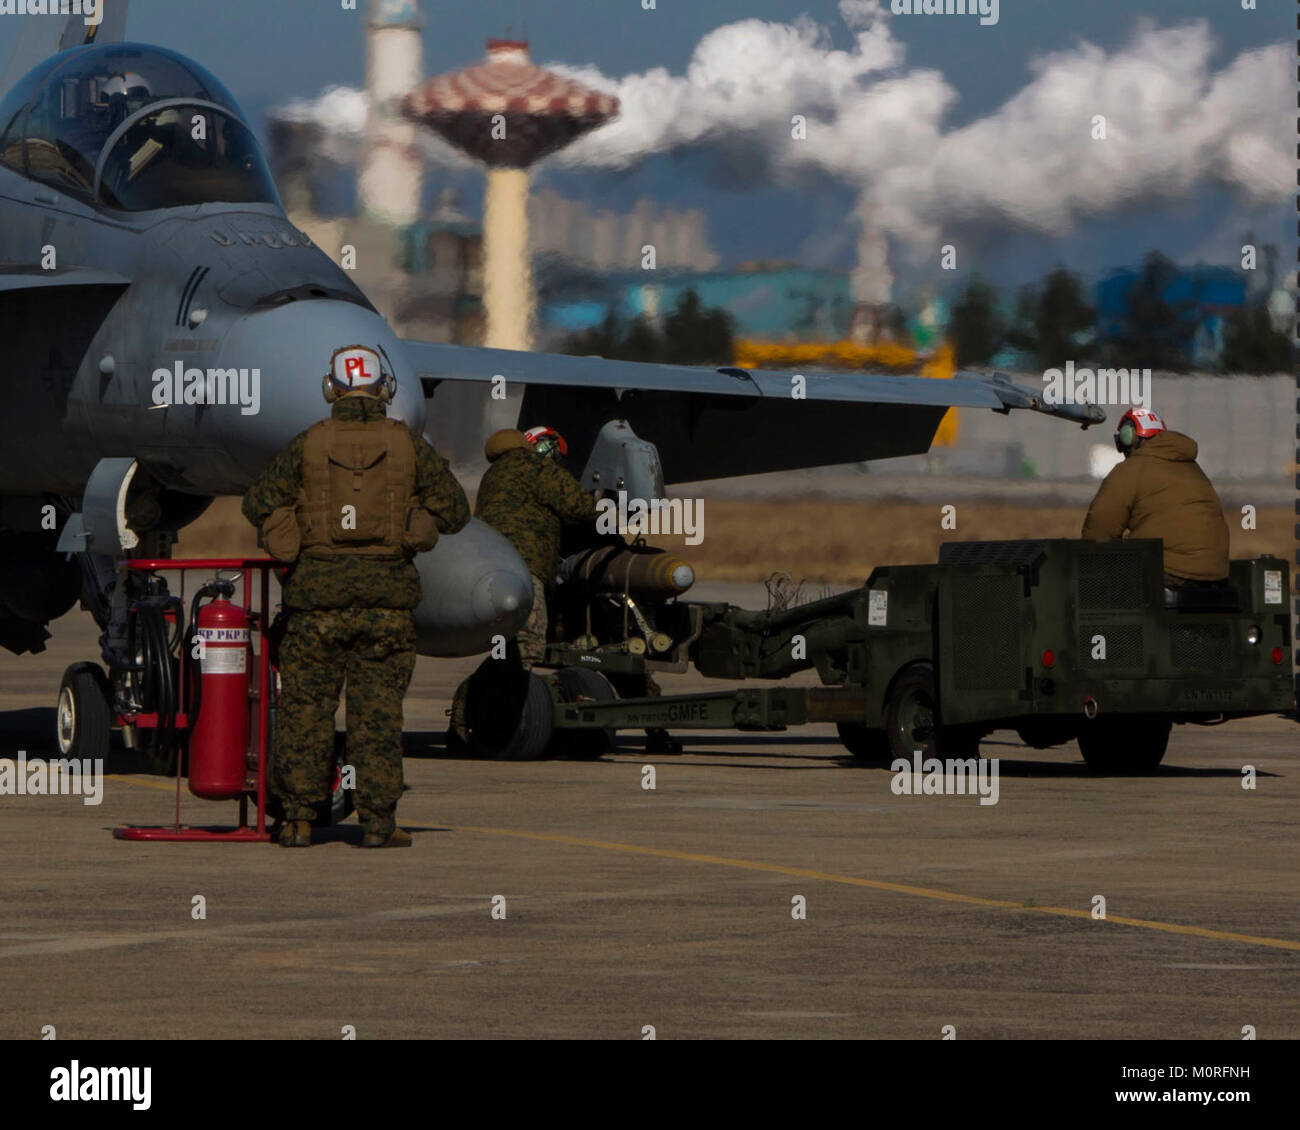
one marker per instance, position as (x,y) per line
(816,540)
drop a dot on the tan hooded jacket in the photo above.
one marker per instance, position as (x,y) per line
(1160,492)
(530,499)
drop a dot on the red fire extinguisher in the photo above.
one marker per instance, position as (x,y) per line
(220,652)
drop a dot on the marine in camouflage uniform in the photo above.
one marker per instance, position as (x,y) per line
(528,497)
(349,619)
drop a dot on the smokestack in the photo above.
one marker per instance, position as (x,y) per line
(873,281)
(391,180)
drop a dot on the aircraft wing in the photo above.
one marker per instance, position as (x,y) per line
(33,278)
(40,36)
(715,423)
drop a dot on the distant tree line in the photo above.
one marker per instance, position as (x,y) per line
(691,335)
(1053,322)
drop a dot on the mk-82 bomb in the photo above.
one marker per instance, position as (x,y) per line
(642,571)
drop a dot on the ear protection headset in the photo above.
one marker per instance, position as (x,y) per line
(1126,436)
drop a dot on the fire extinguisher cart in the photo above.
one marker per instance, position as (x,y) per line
(218,722)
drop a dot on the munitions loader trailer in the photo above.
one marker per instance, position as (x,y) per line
(1058,640)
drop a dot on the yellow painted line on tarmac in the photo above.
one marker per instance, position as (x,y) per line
(169,786)
(845,880)
(882,885)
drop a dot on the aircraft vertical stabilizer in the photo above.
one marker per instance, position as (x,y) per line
(41,36)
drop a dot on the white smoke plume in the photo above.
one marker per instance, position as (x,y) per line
(1173,123)
(338,118)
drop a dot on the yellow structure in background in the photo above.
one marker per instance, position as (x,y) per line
(849,356)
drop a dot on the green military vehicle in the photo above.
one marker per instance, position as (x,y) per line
(1059,640)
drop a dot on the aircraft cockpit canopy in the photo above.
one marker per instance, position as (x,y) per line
(133,128)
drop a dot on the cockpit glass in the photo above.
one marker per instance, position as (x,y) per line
(181,155)
(58,119)
(13,114)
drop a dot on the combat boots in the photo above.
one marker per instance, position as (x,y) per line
(396,838)
(296,833)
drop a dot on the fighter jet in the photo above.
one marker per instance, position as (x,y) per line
(166,328)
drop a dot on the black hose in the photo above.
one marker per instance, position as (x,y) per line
(152,679)
(155,641)
(169,642)
(166,681)
(157,691)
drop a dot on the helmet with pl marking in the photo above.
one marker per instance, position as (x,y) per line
(357,370)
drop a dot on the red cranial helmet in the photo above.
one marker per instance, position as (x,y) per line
(547,441)
(1136,425)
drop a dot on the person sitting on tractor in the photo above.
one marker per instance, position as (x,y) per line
(1160,492)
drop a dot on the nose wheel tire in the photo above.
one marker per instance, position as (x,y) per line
(84,714)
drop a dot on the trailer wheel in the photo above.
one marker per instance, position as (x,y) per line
(575,684)
(84,715)
(912,719)
(863,743)
(1117,743)
(508,712)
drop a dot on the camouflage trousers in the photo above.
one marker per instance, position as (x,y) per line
(531,641)
(373,649)
(532,636)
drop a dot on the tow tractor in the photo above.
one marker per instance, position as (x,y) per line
(1060,640)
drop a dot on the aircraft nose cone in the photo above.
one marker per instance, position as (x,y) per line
(501,593)
(290,346)
(474,588)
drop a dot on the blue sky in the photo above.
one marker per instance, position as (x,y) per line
(270,52)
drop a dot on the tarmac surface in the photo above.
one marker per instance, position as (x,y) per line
(673,907)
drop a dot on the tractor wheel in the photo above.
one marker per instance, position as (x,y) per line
(84,715)
(866,745)
(1119,743)
(1046,732)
